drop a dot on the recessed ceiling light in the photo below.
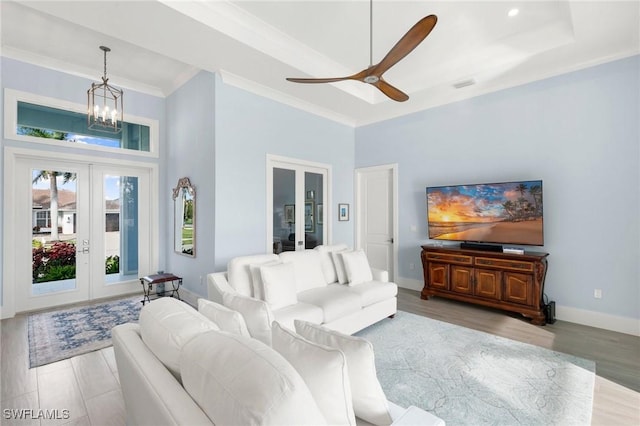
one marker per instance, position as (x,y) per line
(513,12)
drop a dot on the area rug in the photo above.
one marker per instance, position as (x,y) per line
(468,377)
(65,333)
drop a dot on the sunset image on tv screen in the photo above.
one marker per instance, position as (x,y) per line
(498,212)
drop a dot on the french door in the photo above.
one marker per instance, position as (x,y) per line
(81,231)
(296,214)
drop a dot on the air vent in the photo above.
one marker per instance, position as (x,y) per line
(464,83)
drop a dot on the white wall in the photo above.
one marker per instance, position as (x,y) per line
(578,132)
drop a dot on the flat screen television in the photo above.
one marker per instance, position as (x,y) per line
(500,213)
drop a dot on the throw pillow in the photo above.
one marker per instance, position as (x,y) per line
(240,381)
(256,278)
(279,285)
(339,265)
(256,313)
(357,267)
(323,369)
(369,401)
(166,325)
(225,318)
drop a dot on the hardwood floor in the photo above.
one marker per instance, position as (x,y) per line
(87,385)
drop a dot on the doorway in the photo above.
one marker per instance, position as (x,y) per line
(297,192)
(377,212)
(80,230)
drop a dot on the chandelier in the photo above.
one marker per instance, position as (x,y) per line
(104,103)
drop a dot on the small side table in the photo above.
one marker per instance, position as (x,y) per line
(150,280)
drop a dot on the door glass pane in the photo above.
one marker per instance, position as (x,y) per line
(313,210)
(53,237)
(121,227)
(284,210)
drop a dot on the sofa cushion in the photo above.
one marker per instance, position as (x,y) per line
(369,401)
(303,311)
(240,381)
(166,325)
(256,313)
(335,300)
(308,268)
(239,274)
(356,265)
(374,292)
(257,284)
(338,263)
(323,369)
(328,268)
(279,285)
(226,319)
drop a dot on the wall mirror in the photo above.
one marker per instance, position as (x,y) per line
(184,214)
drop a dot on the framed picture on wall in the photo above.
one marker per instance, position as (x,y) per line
(343,212)
(290,213)
(320,214)
(309,225)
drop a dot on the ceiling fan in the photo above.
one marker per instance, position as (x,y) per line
(373,74)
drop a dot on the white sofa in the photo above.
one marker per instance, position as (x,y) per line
(332,286)
(178,367)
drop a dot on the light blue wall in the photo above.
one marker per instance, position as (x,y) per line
(190,153)
(30,78)
(579,132)
(248,127)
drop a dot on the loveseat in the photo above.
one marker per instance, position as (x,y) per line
(328,285)
(178,366)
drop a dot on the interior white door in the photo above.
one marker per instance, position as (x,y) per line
(375,188)
(103,238)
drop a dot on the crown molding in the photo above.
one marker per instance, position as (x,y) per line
(235,22)
(90,74)
(267,92)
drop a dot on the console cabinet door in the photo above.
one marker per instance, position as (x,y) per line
(461,279)
(488,283)
(439,276)
(518,288)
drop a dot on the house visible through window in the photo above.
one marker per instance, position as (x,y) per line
(68,126)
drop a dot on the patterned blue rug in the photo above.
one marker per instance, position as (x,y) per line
(62,334)
(467,377)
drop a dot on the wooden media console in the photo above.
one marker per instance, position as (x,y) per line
(512,282)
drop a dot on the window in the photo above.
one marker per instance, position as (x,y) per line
(43,219)
(38,119)
(71,127)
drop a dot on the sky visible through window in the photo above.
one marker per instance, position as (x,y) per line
(111,185)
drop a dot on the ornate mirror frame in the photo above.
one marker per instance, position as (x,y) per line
(184,218)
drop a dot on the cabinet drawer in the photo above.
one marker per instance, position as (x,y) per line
(450,258)
(514,265)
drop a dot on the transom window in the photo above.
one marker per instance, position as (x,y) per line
(33,118)
(68,126)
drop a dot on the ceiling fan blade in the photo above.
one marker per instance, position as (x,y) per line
(318,80)
(390,91)
(406,44)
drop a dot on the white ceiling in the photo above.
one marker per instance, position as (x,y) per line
(158,45)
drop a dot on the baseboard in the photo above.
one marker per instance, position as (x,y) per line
(566,313)
(410,283)
(599,320)
(190,297)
